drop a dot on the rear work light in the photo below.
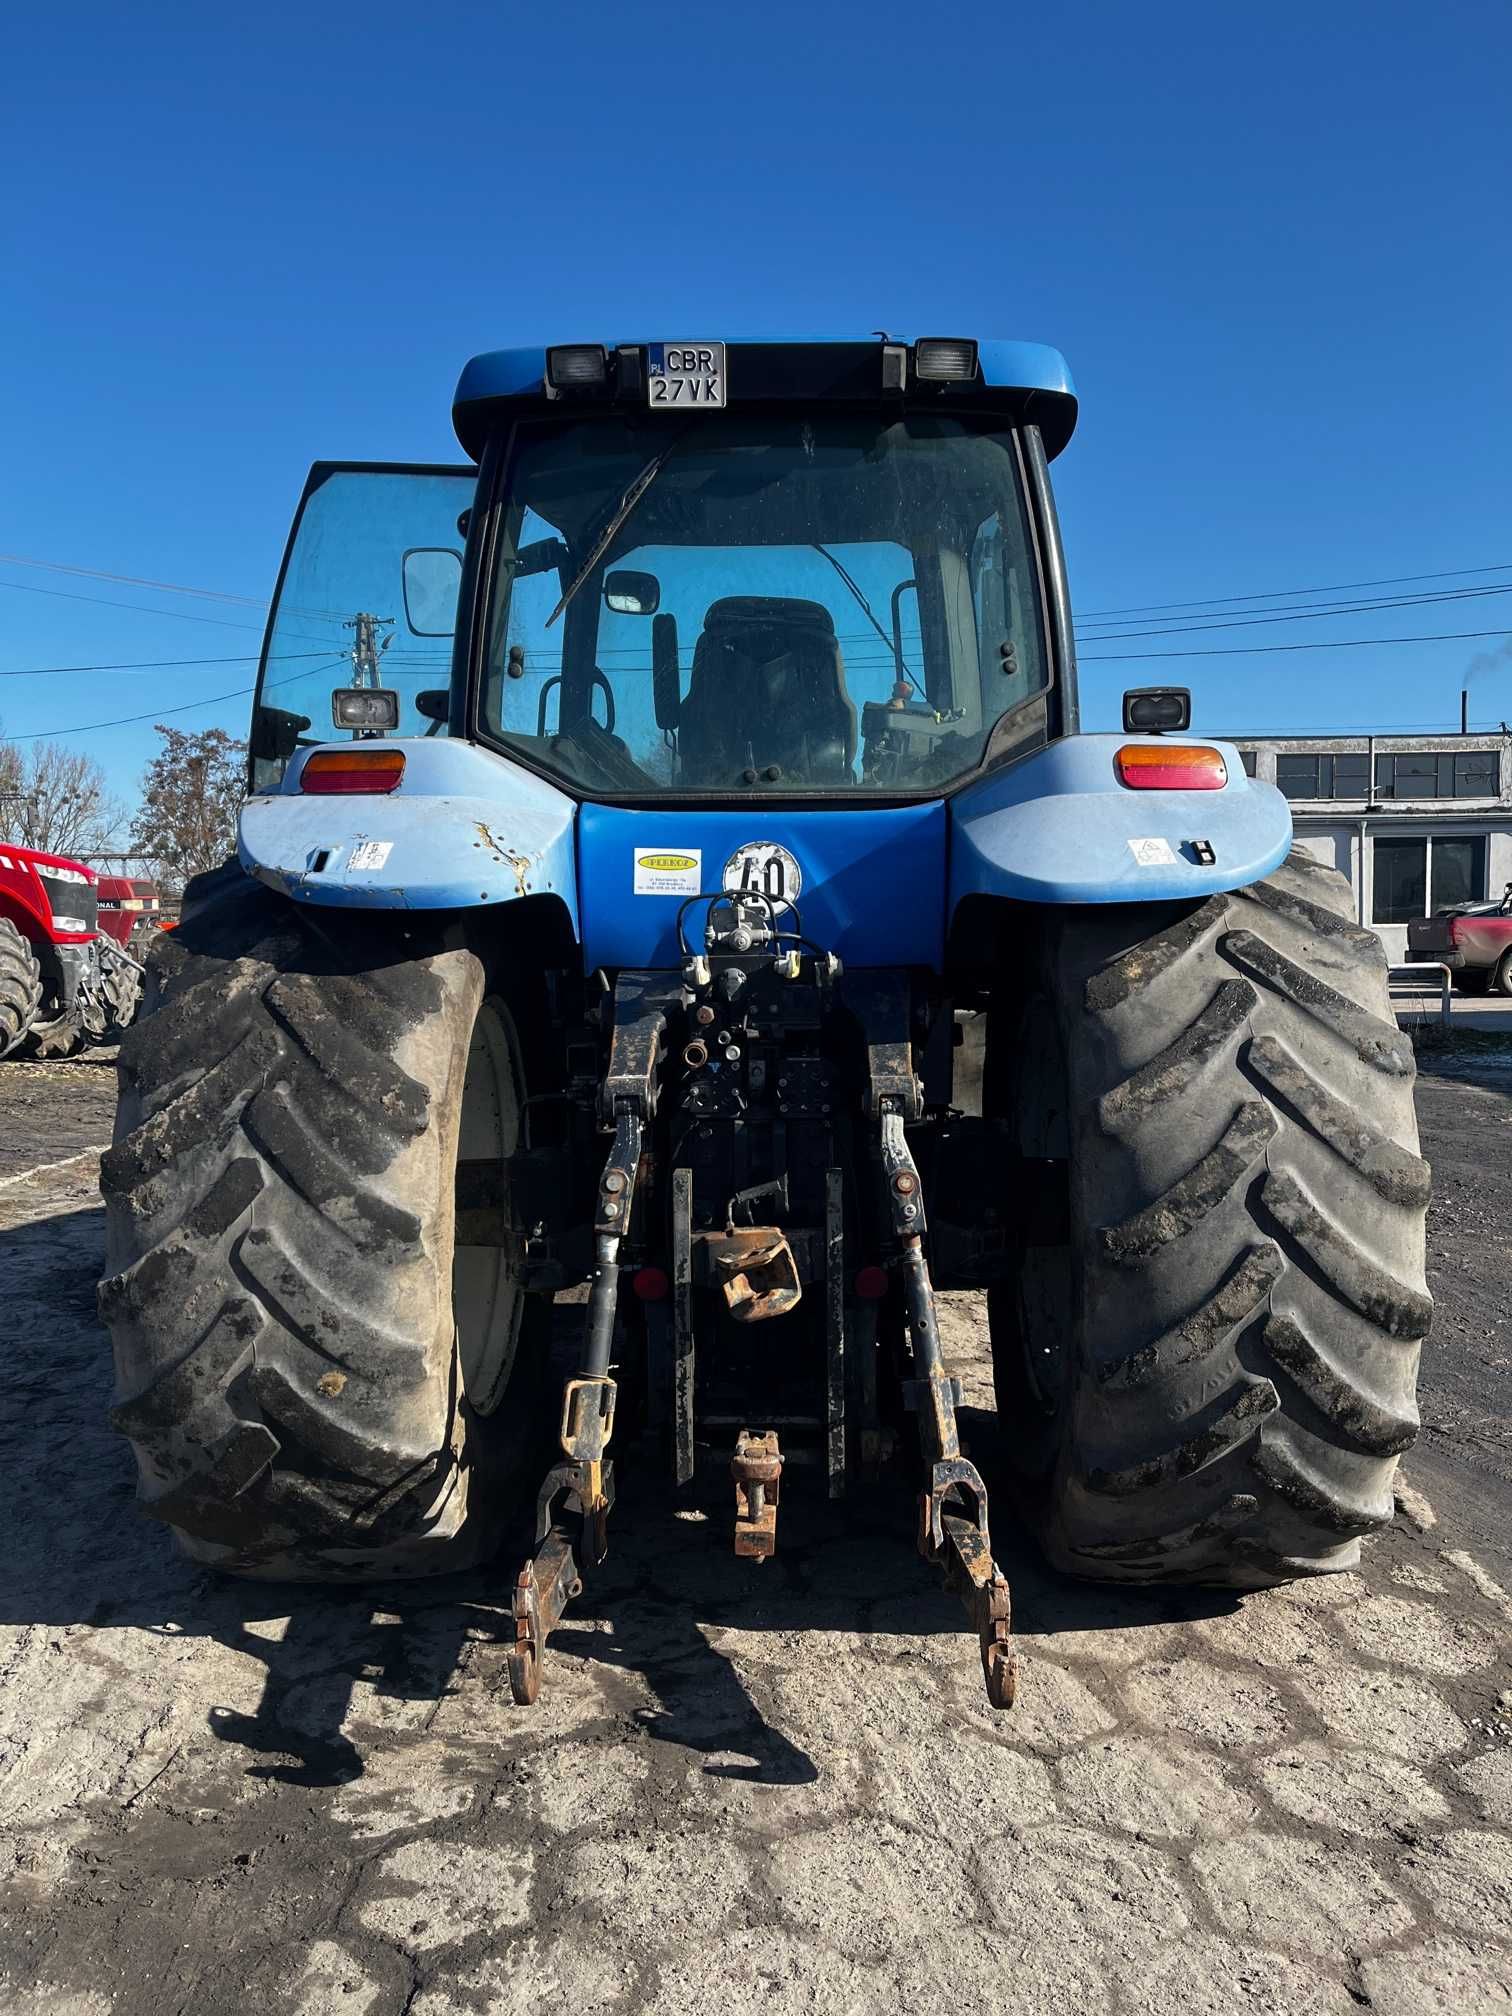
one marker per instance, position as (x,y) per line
(1171,766)
(576,364)
(945,357)
(348,770)
(373,708)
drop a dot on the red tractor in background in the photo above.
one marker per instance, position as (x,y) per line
(67,978)
(130,912)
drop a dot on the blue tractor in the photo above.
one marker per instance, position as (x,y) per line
(672,872)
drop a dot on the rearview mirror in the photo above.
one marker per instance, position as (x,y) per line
(432,578)
(1157,710)
(276,733)
(630,594)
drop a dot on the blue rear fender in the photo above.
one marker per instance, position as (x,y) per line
(465,828)
(1060,827)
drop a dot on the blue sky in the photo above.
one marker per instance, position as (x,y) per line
(1272,243)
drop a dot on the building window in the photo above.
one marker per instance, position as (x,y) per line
(1449,868)
(1345,776)
(1401,880)
(1477,774)
(1444,773)
(1457,872)
(1247,758)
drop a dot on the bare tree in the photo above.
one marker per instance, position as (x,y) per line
(191,792)
(56,799)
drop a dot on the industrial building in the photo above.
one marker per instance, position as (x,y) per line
(1416,822)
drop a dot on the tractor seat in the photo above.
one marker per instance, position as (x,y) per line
(767,689)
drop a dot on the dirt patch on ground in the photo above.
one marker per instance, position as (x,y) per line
(745,1787)
(48,1111)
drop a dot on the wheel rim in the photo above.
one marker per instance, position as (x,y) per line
(487,1297)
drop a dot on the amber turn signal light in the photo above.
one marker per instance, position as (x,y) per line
(1171,766)
(347,770)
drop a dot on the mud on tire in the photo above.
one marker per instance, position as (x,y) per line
(1243,1295)
(281,1208)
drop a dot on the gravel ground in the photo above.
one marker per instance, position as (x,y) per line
(746,1787)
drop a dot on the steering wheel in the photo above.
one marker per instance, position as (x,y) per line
(598,681)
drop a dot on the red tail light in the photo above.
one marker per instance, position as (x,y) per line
(347,770)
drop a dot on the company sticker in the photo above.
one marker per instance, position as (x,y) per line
(370,854)
(1153,853)
(668,871)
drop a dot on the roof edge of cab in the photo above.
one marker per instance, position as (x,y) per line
(1033,375)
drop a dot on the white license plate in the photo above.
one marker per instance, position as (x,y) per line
(685,374)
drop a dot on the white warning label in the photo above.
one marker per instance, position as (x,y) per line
(1153,853)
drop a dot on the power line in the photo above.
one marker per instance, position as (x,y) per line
(167,615)
(1349,604)
(1272,594)
(1331,728)
(153,664)
(170,615)
(1136,609)
(135,581)
(162,587)
(125,720)
(140,608)
(1306,615)
(155,713)
(1257,650)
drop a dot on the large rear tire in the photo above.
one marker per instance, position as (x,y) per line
(317,1381)
(1212,1379)
(20,987)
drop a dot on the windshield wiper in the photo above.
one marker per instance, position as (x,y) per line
(622,511)
(893,649)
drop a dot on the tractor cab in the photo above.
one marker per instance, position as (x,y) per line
(827,572)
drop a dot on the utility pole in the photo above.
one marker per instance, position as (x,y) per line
(368,647)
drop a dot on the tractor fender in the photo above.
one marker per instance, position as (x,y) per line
(1060,827)
(464,828)
(24,909)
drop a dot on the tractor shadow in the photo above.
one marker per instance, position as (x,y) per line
(671,1589)
(80,1560)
